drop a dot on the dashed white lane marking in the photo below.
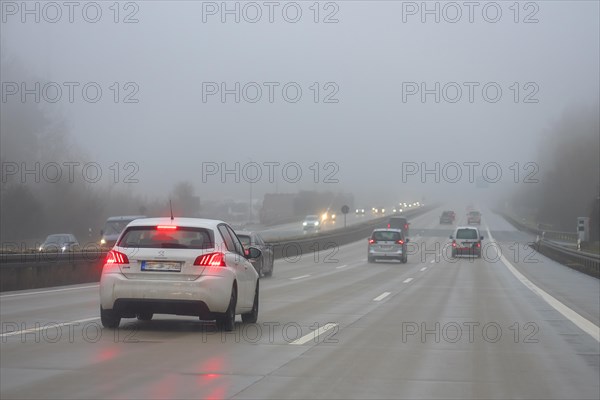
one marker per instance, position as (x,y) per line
(47,326)
(314,334)
(432,261)
(423,269)
(585,325)
(341,266)
(49,291)
(407,280)
(382,296)
(299,277)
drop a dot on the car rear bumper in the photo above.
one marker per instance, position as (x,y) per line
(471,251)
(206,294)
(386,254)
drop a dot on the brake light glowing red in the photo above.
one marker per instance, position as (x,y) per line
(454,243)
(166,228)
(478,244)
(116,257)
(405,226)
(371,241)
(389,226)
(211,260)
(400,241)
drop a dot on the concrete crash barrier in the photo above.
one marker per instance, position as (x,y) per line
(32,271)
(40,270)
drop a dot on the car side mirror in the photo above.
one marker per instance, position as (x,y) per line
(252,253)
(407,240)
(450,236)
(481,237)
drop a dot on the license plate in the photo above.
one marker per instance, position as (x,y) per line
(386,247)
(161,266)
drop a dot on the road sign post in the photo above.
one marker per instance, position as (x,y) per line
(345,210)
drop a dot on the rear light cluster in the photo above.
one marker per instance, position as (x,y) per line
(211,260)
(371,241)
(400,241)
(116,257)
(454,243)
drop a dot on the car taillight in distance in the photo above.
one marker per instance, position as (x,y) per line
(211,260)
(389,226)
(454,243)
(116,257)
(400,241)
(371,241)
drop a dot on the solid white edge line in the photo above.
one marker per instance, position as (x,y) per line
(423,269)
(48,325)
(314,334)
(408,280)
(299,277)
(432,261)
(48,291)
(341,266)
(382,296)
(585,325)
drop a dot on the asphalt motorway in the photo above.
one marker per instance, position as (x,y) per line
(332,326)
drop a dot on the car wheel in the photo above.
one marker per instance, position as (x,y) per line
(453,255)
(404,259)
(146,316)
(226,321)
(252,316)
(110,319)
(370,260)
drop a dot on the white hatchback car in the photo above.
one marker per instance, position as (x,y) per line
(185,266)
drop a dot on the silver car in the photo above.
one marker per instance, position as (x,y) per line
(264,264)
(311,223)
(388,244)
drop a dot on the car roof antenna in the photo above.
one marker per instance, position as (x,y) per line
(171,207)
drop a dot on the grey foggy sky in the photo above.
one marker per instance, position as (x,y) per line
(368,54)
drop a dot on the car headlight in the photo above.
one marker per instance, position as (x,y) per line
(63,248)
(102,241)
(304,224)
(41,248)
(316,223)
(332,216)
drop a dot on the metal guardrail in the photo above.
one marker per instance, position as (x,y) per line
(588,263)
(37,270)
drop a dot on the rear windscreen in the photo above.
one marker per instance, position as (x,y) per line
(387,236)
(181,238)
(466,234)
(245,239)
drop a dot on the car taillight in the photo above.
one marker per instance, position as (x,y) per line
(454,243)
(211,260)
(371,241)
(389,226)
(478,244)
(405,226)
(166,228)
(116,257)
(400,242)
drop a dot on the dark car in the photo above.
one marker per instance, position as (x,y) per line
(474,217)
(447,217)
(466,240)
(387,244)
(59,243)
(398,223)
(264,264)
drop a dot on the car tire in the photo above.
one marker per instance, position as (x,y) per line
(145,316)
(404,259)
(252,316)
(453,255)
(110,318)
(226,321)
(370,260)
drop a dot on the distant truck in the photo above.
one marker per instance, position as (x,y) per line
(113,228)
